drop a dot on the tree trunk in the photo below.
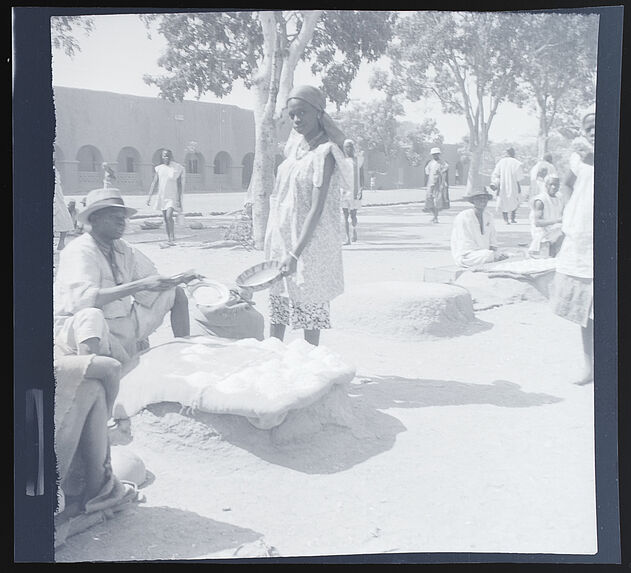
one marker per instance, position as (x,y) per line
(473,177)
(542,139)
(262,182)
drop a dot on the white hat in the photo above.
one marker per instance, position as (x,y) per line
(434,150)
(100,199)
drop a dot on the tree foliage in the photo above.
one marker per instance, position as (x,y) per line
(557,55)
(63,30)
(210,51)
(463,60)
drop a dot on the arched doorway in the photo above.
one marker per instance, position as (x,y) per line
(89,160)
(128,170)
(222,169)
(194,165)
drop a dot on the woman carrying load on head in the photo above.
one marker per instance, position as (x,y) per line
(304,231)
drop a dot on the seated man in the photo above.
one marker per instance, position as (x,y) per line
(546,210)
(473,238)
(108,296)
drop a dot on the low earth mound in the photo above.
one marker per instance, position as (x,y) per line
(405,310)
(489,291)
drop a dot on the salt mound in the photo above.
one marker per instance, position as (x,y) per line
(404,309)
(488,292)
(261,380)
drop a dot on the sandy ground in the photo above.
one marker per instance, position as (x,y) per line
(476,443)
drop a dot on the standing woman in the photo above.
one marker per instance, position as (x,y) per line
(170,180)
(304,231)
(62,219)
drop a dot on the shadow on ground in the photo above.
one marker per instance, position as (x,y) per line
(154,533)
(348,426)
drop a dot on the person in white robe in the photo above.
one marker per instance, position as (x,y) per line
(473,236)
(572,293)
(546,210)
(505,180)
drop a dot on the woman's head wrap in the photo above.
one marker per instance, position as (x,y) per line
(316,98)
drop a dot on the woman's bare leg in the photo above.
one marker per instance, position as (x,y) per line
(346,226)
(587,335)
(312,337)
(277,331)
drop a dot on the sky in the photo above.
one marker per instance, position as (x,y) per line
(117,53)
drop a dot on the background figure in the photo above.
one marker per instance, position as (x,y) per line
(170,177)
(473,236)
(539,170)
(505,181)
(546,209)
(437,197)
(352,195)
(62,220)
(109,177)
(572,293)
(304,231)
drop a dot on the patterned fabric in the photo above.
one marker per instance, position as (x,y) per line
(309,316)
(572,298)
(319,275)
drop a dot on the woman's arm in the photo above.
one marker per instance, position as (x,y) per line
(152,188)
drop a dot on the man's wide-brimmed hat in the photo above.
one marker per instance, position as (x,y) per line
(477,193)
(434,150)
(98,199)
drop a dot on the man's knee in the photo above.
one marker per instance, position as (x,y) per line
(90,391)
(89,324)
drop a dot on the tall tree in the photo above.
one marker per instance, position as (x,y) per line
(208,52)
(558,54)
(464,60)
(63,29)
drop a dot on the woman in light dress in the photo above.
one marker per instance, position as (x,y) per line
(304,231)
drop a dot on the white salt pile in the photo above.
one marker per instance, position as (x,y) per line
(404,309)
(261,380)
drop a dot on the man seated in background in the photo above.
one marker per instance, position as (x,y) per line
(473,237)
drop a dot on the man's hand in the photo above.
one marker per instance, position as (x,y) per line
(500,256)
(157,283)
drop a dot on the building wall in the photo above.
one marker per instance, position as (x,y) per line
(118,127)
(400,174)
